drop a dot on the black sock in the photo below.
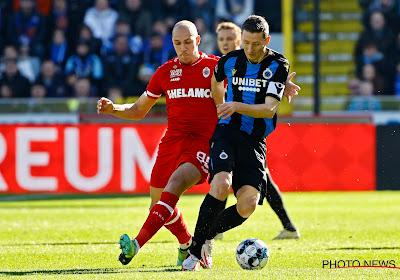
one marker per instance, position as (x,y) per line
(226,220)
(208,212)
(274,199)
(223,206)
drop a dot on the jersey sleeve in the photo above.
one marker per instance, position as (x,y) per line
(154,88)
(277,83)
(219,70)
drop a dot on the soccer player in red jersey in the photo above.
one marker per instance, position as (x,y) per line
(183,155)
(182,159)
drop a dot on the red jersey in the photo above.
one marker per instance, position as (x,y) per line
(187,89)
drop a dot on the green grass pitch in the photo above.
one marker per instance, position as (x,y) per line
(75,237)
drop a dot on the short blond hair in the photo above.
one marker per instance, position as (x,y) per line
(229,25)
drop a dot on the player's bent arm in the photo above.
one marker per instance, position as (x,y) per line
(135,111)
(217,90)
(266,110)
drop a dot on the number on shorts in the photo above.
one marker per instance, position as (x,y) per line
(203,159)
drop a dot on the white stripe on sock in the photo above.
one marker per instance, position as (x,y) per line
(166,206)
(175,219)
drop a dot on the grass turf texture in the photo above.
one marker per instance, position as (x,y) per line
(75,237)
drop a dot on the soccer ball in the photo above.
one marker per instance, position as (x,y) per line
(252,253)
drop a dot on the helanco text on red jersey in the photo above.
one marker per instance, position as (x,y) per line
(191,92)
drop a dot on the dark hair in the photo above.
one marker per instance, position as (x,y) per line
(256,24)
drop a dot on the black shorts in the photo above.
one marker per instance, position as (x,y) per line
(235,151)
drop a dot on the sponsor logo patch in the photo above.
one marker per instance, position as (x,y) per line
(175,73)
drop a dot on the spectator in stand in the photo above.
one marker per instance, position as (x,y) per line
(101,20)
(160,26)
(370,74)
(27,26)
(371,55)
(10,52)
(58,50)
(86,34)
(51,80)
(378,33)
(84,65)
(76,12)
(38,91)
(58,17)
(29,65)
(155,52)
(365,101)
(83,88)
(6,91)
(354,86)
(140,19)
(122,27)
(234,10)
(204,9)
(11,77)
(43,6)
(208,39)
(389,8)
(146,71)
(171,10)
(115,95)
(121,66)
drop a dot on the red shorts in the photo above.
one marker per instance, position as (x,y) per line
(175,150)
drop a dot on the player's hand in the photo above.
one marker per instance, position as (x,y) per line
(105,106)
(225,110)
(291,89)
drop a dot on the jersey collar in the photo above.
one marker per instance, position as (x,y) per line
(202,55)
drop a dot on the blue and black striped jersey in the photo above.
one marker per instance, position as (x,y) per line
(250,83)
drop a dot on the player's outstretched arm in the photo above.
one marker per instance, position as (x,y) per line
(135,111)
(291,89)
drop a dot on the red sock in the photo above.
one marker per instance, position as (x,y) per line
(177,226)
(159,214)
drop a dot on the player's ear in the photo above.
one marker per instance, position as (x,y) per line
(267,40)
(198,39)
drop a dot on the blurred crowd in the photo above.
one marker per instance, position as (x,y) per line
(87,48)
(377,55)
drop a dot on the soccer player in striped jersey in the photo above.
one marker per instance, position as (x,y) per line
(256,81)
(229,39)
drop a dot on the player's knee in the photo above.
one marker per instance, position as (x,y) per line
(220,187)
(176,187)
(247,205)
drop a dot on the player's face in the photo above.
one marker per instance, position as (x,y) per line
(186,45)
(227,41)
(254,45)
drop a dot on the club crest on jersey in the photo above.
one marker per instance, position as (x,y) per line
(267,74)
(223,155)
(206,72)
(233,72)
